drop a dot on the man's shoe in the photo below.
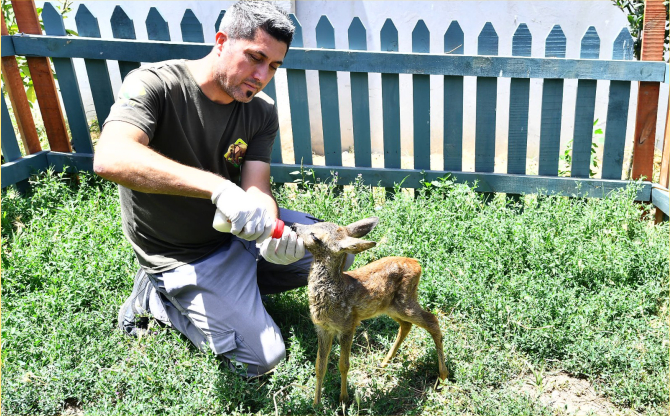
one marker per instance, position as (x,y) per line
(134,313)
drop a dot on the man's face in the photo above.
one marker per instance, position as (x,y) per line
(246,66)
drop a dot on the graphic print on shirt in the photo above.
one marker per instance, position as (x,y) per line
(129,91)
(236,152)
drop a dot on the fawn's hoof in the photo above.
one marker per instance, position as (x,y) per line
(444,374)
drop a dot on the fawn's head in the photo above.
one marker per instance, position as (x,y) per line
(324,238)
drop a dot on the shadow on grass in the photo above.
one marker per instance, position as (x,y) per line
(399,388)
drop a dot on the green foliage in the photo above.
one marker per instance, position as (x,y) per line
(635,11)
(563,284)
(566,157)
(64,6)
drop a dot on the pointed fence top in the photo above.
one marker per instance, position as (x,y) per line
(218,20)
(522,41)
(122,25)
(555,44)
(191,28)
(590,48)
(623,46)
(357,35)
(297,35)
(421,38)
(454,39)
(53,21)
(389,37)
(87,24)
(487,43)
(157,27)
(325,34)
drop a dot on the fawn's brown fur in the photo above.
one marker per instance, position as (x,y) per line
(339,301)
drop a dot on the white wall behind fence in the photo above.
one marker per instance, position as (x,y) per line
(575,17)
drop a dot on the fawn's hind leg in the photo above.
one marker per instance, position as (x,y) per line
(426,320)
(402,333)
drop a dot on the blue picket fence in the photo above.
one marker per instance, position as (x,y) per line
(421,63)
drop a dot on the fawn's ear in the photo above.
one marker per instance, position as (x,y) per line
(362,227)
(355,245)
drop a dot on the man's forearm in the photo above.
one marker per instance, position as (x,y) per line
(136,166)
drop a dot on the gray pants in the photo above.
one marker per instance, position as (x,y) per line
(216,301)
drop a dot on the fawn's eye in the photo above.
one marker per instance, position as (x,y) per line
(315,238)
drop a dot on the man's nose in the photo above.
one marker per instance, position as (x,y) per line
(262,75)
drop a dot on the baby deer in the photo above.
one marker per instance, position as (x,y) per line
(339,301)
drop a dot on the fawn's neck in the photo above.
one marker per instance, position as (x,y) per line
(326,272)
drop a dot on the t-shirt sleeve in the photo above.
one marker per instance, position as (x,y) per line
(139,101)
(260,147)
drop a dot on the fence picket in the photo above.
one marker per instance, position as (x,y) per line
(617,112)
(13,84)
(391,100)
(487,90)
(157,27)
(552,108)
(191,28)
(519,95)
(218,20)
(10,147)
(585,110)
(421,95)
(330,106)
(96,69)
(453,103)
(271,91)
(69,87)
(123,28)
(297,91)
(360,99)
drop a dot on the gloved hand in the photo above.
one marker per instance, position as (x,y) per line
(249,220)
(285,250)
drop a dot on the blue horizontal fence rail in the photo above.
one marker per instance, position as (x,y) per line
(349,60)
(450,63)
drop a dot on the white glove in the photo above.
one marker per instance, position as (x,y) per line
(285,250)
(248,220)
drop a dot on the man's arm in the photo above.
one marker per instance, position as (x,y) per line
(256,181)
(122,155)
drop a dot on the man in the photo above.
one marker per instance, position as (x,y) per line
(187,138)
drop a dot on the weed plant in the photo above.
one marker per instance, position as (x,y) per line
(558,284)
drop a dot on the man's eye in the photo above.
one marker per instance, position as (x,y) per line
(255,58)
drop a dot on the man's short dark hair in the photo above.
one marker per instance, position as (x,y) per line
(243,19)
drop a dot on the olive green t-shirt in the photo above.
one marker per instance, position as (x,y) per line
(165,102)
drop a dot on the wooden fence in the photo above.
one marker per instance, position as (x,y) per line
(75,152)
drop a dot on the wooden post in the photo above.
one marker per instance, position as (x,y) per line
(653,35)
(43,81)
(19,100)
(664,178)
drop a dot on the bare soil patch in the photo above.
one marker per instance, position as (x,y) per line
(569,395)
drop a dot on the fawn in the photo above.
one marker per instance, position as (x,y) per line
(339,301)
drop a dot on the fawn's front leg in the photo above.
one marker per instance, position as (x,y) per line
(325,343)
(346,339)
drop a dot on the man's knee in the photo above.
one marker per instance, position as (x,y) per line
(269,357)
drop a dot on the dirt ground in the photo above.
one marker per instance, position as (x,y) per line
(568,395)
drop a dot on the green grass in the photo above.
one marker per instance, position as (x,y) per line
(579,286)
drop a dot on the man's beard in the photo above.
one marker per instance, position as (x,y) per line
(235,91)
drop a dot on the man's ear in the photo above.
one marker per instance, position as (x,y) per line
(220,39)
